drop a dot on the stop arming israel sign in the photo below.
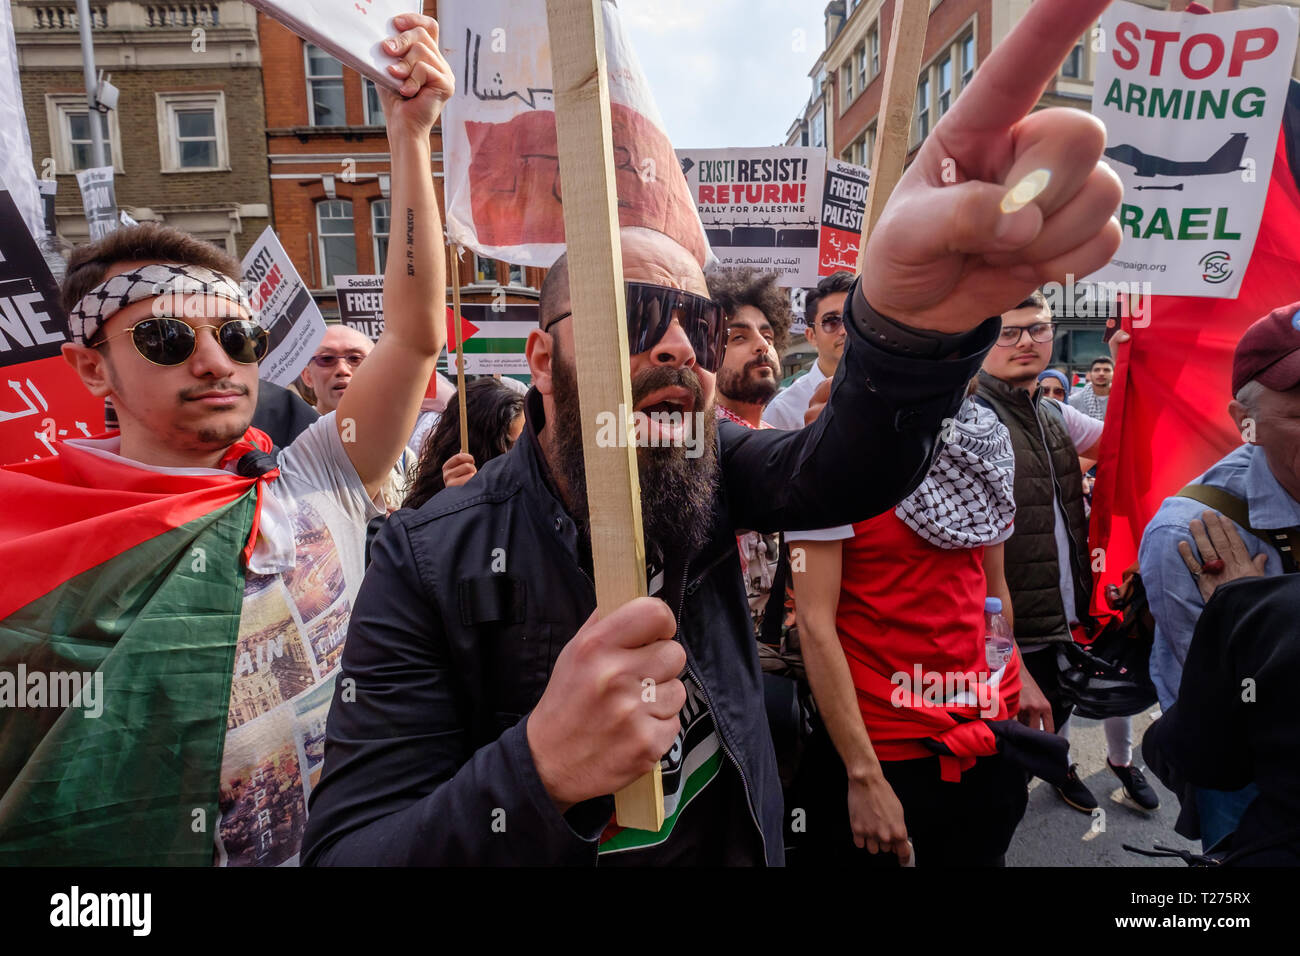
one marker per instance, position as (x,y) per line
(1192,106)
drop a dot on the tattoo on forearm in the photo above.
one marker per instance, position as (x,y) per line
(410,242)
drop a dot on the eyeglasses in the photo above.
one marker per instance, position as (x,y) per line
(831,322)
(169,341)
(651,310)
(1038,332)
(329,361)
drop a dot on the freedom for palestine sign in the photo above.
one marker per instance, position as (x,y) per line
(1192,105)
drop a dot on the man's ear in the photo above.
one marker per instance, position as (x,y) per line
(810,333)
(540,354)
(91,365)
(1240,416)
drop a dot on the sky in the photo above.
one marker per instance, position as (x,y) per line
(727,72)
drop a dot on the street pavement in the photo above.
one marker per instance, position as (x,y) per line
(1053,833)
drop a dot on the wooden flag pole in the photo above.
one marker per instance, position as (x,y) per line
(591,231)
(898,96)
(453,271)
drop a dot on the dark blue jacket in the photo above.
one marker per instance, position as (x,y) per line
(426,759)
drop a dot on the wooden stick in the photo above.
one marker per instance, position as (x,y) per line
(453,270)
(897,98)
(591,231)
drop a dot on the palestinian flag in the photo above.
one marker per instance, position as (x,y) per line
(118,627)
(1167,418)
(495,339)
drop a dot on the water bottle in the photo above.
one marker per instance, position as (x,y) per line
(998,642)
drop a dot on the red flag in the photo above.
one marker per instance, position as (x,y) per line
(1167,420)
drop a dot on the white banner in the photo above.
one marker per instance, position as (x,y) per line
(284,307)
(761,207)
(349,31)
(1192,105)
(98,200)
(501,158)
(16,171)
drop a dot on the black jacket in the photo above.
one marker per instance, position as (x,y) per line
(447,653)
(1235,721)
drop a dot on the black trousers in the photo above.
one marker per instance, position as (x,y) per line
(968,823)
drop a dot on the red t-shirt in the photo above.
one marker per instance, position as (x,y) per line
(910,610)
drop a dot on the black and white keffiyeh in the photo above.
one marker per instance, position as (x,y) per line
(151,281)
(967,499)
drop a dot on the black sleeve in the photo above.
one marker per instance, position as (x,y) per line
(869,449)
(401,784)
(1202,737)
(281,414)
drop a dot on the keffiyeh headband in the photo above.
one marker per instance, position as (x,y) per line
(99,304)
(967,499)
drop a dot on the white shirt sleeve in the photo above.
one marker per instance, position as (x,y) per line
(787,409)
(316,463)
(1084,430)
(839,533)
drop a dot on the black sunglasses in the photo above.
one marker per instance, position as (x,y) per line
(651,310)
(168,341)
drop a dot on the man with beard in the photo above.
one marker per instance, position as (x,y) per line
(485,714)
(757,316)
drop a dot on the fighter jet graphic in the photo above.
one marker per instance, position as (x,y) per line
(1226,159)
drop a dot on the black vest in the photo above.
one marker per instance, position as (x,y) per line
(1047,471)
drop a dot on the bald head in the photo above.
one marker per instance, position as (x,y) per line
(648,256)
(340,347)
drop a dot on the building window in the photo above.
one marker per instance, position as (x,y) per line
(192,132)
(873,43)
(923,109)
(818,135)
(846,80)
(338,241)
(967,59)
(516,275)
(945,85)
(869,148)
(324,88)
(485,270)
(1073,65)
(70,120)
(861,58)
(374,109)
(379,224)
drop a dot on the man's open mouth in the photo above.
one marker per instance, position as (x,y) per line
(667,401)
(664,415)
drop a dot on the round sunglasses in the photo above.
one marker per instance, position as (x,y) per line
(169,341)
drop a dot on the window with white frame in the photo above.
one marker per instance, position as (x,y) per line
(869,147)
(944,77)
(338,240)
(861,59)
(967,58)
(324,88)
(70,130)
(873,44)
(846,81)
(374,109)
(485,270)
(818,132)
(516,274)
(192,132)
(379,225)
(922,125)
(1073,65)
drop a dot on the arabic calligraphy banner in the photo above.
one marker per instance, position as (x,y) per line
(284,308)
(844,203)
(501,164)
(1192,106)
(42,399)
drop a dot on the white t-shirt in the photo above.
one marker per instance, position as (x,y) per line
(786,410)
(302,578)
(1084,432)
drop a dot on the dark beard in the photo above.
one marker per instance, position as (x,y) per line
(739,387)
(677,492)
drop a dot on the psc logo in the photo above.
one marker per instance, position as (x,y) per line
(1216,267)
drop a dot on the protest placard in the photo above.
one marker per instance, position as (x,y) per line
(361,304)
(42,400)
(1192,105)
(495,337)
(761,207)
(844,201)
(284,307)
(15,143)
(98,200)
(501,154)
(351,32)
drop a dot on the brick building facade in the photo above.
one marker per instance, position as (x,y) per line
(187,136)
(329,172)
